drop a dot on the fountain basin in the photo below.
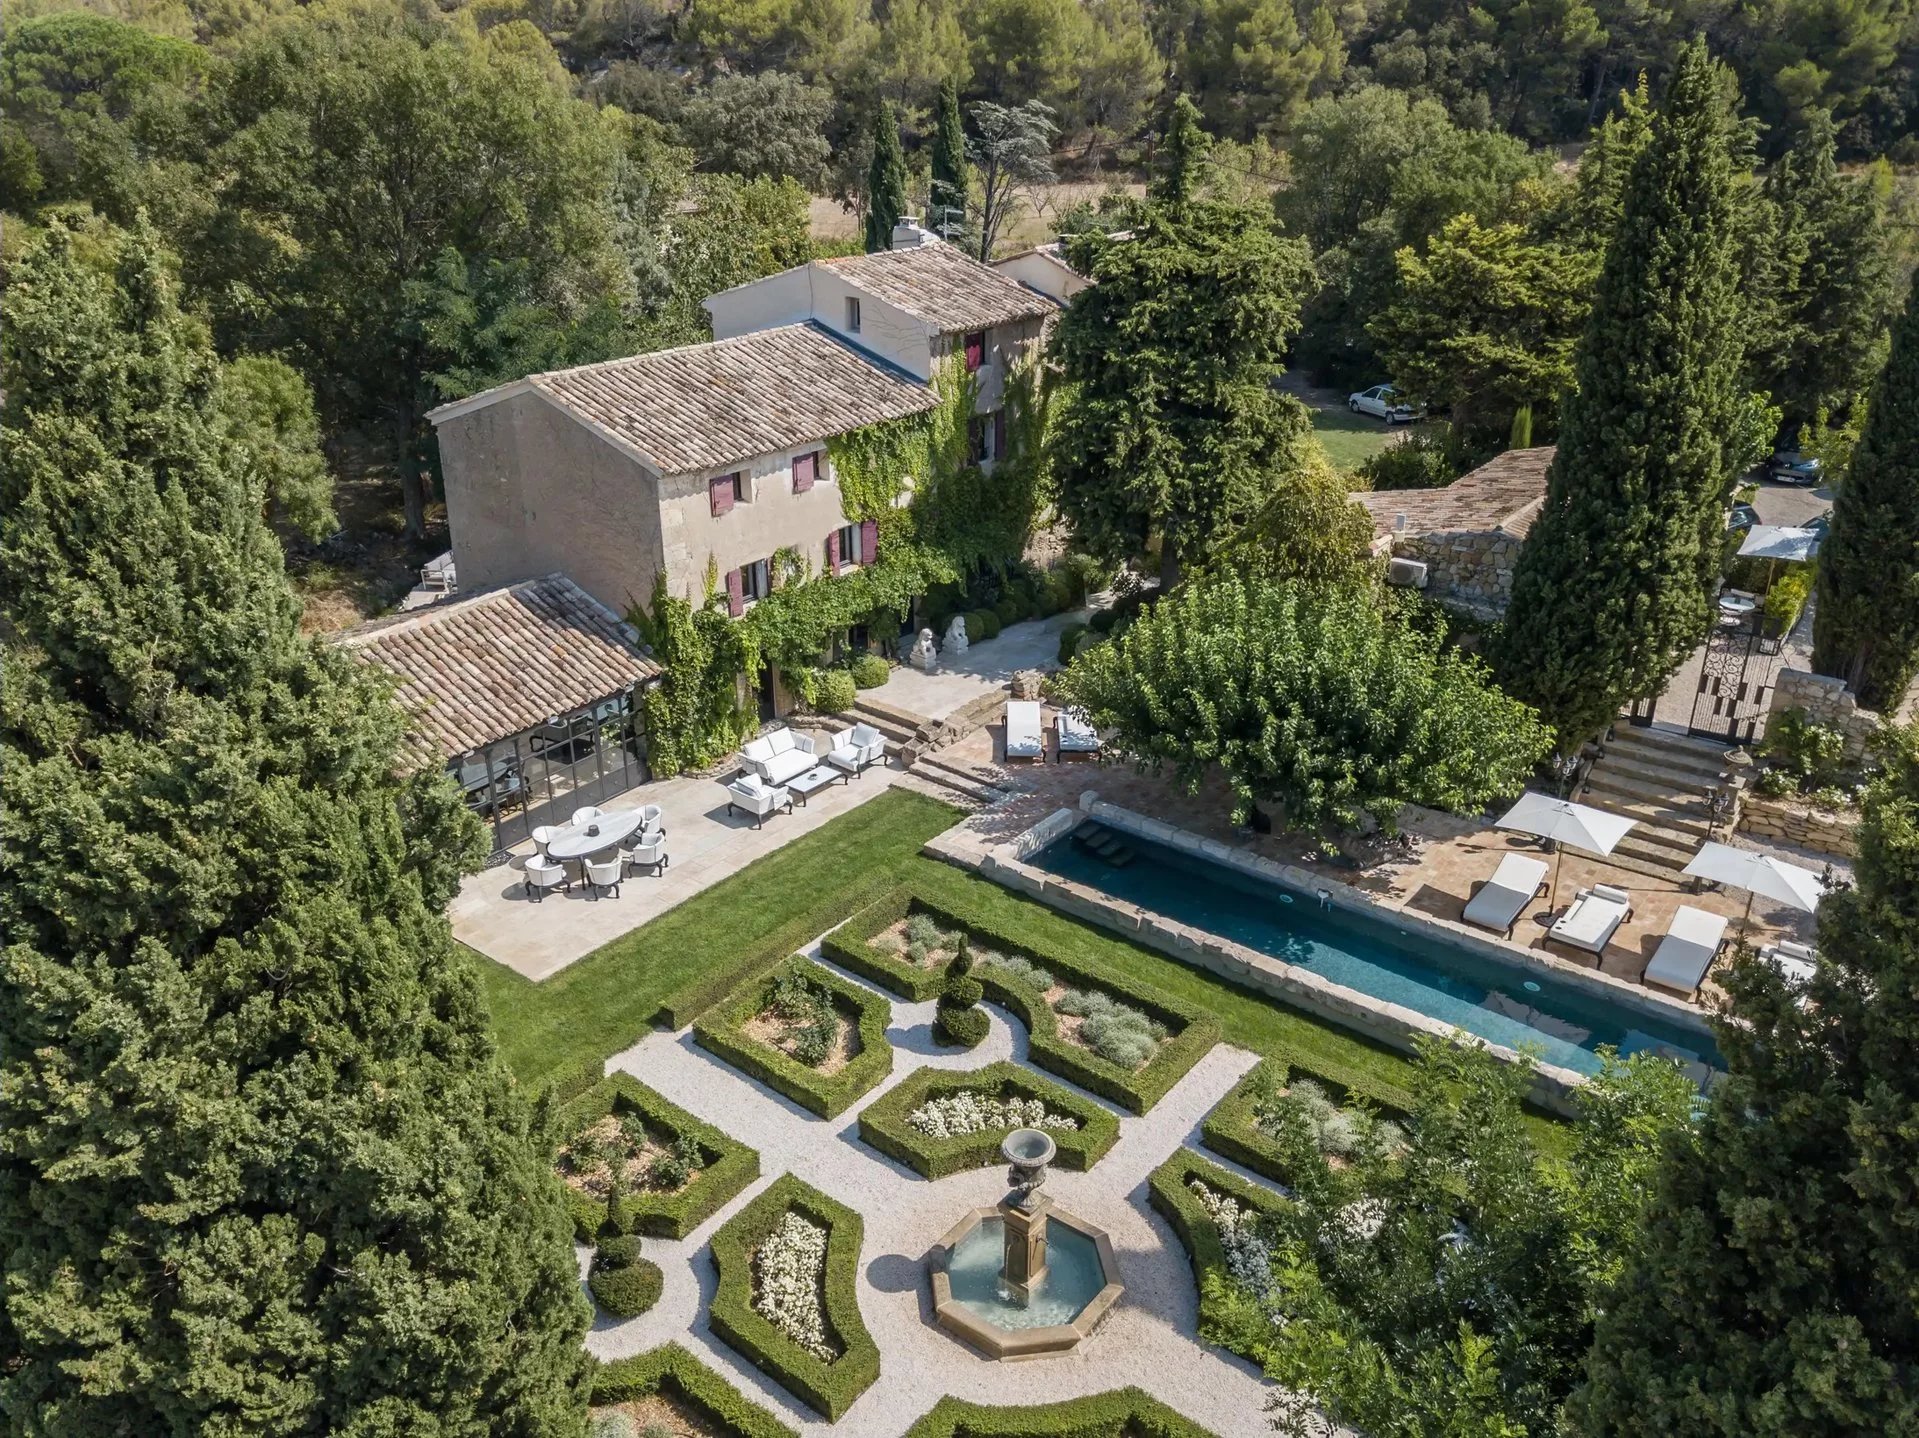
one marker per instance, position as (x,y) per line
(1079,1287)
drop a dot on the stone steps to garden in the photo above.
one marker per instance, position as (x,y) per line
(899,725)
(1650,804)
(961,778)
(1663,782)
(1667,750)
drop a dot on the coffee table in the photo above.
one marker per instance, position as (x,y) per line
(812,781)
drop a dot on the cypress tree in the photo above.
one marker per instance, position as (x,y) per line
(1613,585)
(885,182)
(261,1170)
(1773,1294)
(1180,162)
(951,176)
(1866,628)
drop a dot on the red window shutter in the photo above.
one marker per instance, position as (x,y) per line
(735,593)
(869,540)
(719,493)
(806,469)
(975,350)
(833,552)
(999,434)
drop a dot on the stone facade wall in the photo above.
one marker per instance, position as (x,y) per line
(1473,570)
(1827,701)
(1823,831)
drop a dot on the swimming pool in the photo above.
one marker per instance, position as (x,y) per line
(1504,1004)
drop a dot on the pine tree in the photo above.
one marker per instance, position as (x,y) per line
(260,1168)
(951,176)
(1613,585)
(1866,628)
(885,182)
(1773,1294)
(1181,158)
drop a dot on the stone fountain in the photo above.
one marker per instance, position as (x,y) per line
(1023,1279)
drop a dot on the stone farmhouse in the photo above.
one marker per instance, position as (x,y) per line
(1459,543)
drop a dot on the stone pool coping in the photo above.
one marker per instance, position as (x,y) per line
(1393,1024)
(1012,1344)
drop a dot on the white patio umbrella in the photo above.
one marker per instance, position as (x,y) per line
(1759,875)
(1565,822)
(1779,541)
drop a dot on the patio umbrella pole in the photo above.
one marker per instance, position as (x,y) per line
(1552,899)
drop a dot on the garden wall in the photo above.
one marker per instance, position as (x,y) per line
(1472,570)
(1827,701)
(1824,831)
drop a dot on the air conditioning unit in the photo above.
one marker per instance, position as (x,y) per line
(1406,573)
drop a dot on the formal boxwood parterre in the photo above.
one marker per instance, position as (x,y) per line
(829,1387)
(677,1374)
(727,1165)
(1193,1033)
(852,946)
(722,1030)
(885,1123)
(1170,1192)
(1123,1413)
(1232,1129)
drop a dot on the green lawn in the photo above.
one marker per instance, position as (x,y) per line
(1350,439)
(606,1001)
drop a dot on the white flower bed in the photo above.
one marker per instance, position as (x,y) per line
(791,1264)
(955,1115)
(1249,1259)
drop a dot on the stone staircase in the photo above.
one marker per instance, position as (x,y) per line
(1663,781)
(908,736)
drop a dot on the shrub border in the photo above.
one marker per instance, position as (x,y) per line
(851,946)
(1167,1192)
(720,1030)
(883,1122)
(828,1387)
(1124,1411)
(672,1367)
(661,1215)
(1231,1132)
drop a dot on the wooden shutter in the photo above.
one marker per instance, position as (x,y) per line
(735,593)
(999,434)
(833,552)
(719,493)
(806,469)
(869,540)
(975,350)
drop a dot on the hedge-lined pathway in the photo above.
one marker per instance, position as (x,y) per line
(1148,1340)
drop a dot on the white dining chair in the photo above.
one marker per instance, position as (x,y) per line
(541,874)
(580,816)
(543,836)
(604,875)
(649,851)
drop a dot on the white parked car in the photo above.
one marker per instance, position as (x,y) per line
(1383,402)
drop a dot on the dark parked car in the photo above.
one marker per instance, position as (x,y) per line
(1789,466)
(1744,516)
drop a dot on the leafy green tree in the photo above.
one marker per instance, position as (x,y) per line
(1485,321)
(270,417)
(952,179)
(1311,697)
(1613,585)
(1826,274)
(1494,65)
(921,49)
(1771,1292)
(1169,426)
(1250,66)
(771,125)
(1468,1308)
(732,231)
(260,1166)
(1866,628)
(885,182)
(1012,149)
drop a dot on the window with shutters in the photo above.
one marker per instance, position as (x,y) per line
(806,470)
(848,545)
(852,314)
(975,350)
(756,580)
(724,491)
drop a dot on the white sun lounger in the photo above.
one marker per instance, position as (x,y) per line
(1075,735)
(1593,918)
(1024,737)
(1686,952)
(1796,963)
(1503,898)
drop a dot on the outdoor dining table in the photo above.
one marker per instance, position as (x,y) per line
(576,841)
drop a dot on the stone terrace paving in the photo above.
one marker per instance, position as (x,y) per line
(1149,1340)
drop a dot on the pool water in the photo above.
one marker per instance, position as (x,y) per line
(1073,1276)
(1367,953)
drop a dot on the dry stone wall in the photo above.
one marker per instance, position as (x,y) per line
(1827,701)
(1821,830)
(1473,570)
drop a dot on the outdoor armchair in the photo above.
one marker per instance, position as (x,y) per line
(751,795)
(853,749)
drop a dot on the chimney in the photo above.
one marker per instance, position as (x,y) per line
(910,235)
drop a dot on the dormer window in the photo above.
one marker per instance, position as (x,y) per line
(975,350)
(852,314)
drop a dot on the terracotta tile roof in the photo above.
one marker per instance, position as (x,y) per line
(943,286)
(1505,493)
(706,405)
(490,666)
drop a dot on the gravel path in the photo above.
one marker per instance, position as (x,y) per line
(1148,1340)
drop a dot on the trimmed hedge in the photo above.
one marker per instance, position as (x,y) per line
(730,1165)
(883,1122)
(721,1030)
(1232,1132)
(851,946)
(870,671)
(963,1026)
(828,1387)
(629,1290)
(1123,1413)
(683,1378)
(1179,1206)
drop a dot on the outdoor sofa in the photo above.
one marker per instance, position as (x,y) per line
(1692,941)
(778,756)
(1593,918)
(1498,903)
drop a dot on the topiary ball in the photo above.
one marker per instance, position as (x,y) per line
(962,1027)
(620,1251)
(870,671)
(627,1292)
